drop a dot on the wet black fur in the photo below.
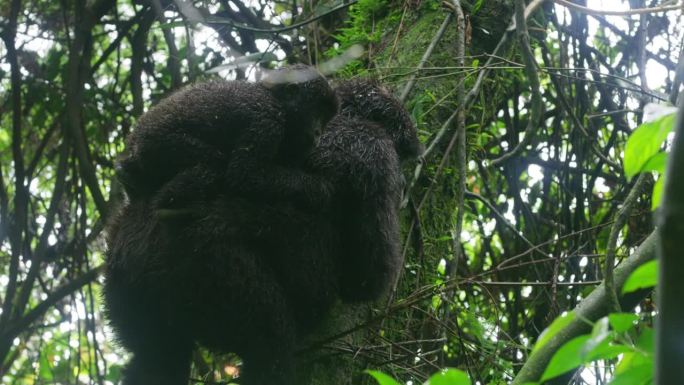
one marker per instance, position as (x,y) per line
(256,134)
(251,276)
(360,155)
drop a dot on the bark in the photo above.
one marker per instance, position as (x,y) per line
(670,320)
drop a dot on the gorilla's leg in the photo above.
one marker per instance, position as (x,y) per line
(243,308)
(297,245)
(162,361)
(161,353)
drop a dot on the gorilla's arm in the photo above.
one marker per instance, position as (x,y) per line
(365,168)
(361,152)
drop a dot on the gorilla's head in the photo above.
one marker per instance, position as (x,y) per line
(370,100)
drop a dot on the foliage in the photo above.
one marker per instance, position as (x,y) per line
(448,376)
(609,339)
(642,152)
(365,26)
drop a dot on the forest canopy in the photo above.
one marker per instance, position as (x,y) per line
(533,225)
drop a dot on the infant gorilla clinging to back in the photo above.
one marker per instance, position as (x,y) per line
(250,275)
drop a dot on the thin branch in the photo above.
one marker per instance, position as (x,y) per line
(428,52)
(116,43)
(637,11)
(174,58)
(34,314)
(523,284)
(18,226)
(193,14)
(461,161)
(78,66)
(536,104)
(620,220)
(55,202)
(503,219)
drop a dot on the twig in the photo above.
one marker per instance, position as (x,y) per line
(637,11)
(193,14)
(533,78)
(620,220)
(461,161)
(426,56)
(67,289)
(544,284)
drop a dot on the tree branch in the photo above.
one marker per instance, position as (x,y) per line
(591,308)
(536,104)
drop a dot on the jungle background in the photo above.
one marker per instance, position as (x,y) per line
(525,200)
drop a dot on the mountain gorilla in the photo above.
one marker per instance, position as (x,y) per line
(239,271)
(255,134)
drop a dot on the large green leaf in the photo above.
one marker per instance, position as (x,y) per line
(449,376)
(382,378)
(607,350)
(645,142)
(567,358)
(656,163)
(642,355)
(657,194)
(556,326)
(643,277)
(599,334)
(621,322)
(636,375)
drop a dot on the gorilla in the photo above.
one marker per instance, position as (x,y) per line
(255,133)
(238,272)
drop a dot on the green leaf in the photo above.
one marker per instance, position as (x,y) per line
(645,142)
(476,6)
(4,139)
(567,358)
(643,277)
(382,378)
(607,351)
(621,322)
(556,326)
(643,355)
(449,376)
(657,194)
(636,375)
(599,334)
(656,163)
(646,340)
(45,368)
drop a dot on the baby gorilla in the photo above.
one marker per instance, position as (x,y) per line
(256,134)
(251,277)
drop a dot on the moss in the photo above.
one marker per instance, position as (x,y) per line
(367,22)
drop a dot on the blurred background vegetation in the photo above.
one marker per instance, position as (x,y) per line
(508,221)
